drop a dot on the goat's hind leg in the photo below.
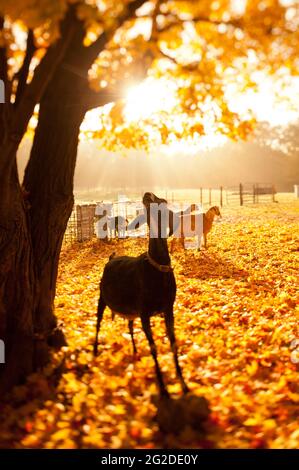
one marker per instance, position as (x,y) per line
(100,311)
(169,321)
(131,329)
(205,241)
(145,320)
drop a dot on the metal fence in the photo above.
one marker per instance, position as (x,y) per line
(250,193)
(81,225)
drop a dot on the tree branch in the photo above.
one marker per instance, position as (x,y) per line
(95,99)
(169,57)
(155,29)
(99,44)
(199,19)
(92,99)
(42,76)
(22,74)
(202,19)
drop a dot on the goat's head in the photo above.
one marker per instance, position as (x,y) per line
(151,198)
(215,210)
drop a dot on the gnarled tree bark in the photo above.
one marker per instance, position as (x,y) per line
(50,173)
(18,285)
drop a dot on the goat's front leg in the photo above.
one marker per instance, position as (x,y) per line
(145,320)
(198,242)
(169,321)
(182,241)
(101,308)
(131,329)
(205,241)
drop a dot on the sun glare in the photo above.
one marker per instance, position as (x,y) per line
(155,101)
(275,101)
(148,98)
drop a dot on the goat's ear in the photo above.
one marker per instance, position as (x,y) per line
(148,198)
(194,208)
(151,198)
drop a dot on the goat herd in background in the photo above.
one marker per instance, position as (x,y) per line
(144,286)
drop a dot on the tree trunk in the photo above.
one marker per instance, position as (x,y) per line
(18,270)
(18,286)
(49,180)
(17,281)
(33,219)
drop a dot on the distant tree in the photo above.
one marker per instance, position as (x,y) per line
(80,55)
(282,138)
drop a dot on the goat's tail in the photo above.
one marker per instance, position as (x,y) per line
(100,311)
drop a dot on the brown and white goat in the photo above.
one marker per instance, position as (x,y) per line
(194,224)
(208,219)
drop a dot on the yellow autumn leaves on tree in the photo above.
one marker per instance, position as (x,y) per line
(200,48)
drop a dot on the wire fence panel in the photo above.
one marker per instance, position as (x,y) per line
(80,226)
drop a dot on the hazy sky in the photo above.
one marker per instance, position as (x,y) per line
(226,165)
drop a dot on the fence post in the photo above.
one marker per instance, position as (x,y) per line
(221,196)
(2,92)
(241,194)
(253,193)
(273,193)
(201,196)
(210,196)
(2,352)
(79,223)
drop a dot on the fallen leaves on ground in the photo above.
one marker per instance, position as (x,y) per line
(236,315)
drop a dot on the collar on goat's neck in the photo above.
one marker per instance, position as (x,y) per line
(164,268)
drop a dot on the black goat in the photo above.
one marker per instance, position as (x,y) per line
(143,286)
(117,226)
